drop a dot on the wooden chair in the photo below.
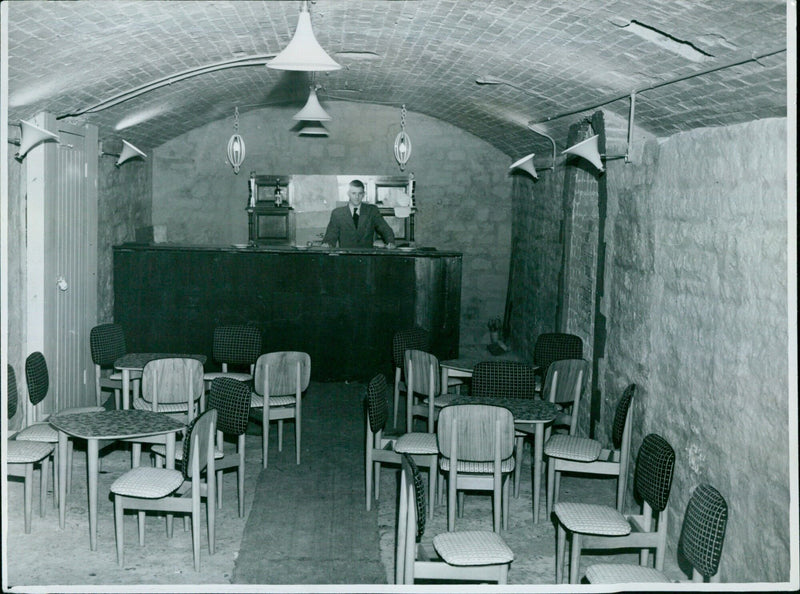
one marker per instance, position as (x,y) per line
(152,489)
(21,456)
(172,386)
(476,452)
(424,378)
(280,380)
(506,379)
(570,453)
(554,346)
(107,344)
(701,540)
(238,347)
(231,399)
(37,377)
(481,556)
(600,527)
(385,447)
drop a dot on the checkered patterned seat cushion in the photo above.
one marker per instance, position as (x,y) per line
(163,407)
(622,573)
(26,452)
(588,518)
(571,447)
(242,377)
(43,432)
(506,465)
(257,401)
(443,400)
(150,483)
(472,547)
(416,443)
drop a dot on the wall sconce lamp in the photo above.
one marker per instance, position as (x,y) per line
(128,152)
(236,148)
(313,129)
(304,52)
(525,164)
(402,142)
(312,111)
(29,136)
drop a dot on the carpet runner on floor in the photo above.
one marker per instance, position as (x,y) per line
(308,523)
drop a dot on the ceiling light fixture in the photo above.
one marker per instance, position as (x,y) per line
(313,129)
(30,135)
(128,152)
(236,149)
(312,111)
(304,52)
(402,143)
(525,164)
(588,150)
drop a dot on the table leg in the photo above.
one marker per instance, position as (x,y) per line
(538,447)
(445,379)
(169,453)
(126,384)
(62,478)
(92,448)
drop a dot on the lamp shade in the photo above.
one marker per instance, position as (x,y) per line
(31,135)
(588,150)
(526,164)
(128,152)
(303,52)
(312,111)
(313,129)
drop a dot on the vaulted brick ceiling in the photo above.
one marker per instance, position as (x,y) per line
(555,56)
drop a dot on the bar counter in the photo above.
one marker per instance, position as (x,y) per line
(342,306)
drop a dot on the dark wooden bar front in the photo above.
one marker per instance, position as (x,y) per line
(340,306)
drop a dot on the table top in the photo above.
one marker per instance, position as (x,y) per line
(139,360)
(469,356)
(525,410)
(116,424)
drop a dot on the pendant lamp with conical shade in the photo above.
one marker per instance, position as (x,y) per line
(526,164)
(587,149)
(312,111)
(30,135)
(304,52)
(313,129)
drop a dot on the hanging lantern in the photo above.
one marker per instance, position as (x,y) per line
(402,143)
(236,145)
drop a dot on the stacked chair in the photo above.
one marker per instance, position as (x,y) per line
(476,452)
(23,455)
(171,490)
(700,543)
(481,556)
(600,527)
(387,447)
(570,453)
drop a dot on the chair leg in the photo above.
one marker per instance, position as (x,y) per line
(460,496)
(119,526)
(451,502)
(431,485)
(211,518)
(377,475)
(506,503)
(70,445)
(264,435)
(219,489)
(27,493)
(520,447)
(396,393)
(280,435)
(556,486)
(240,476)
(497,497)
(117,398)
(561,543)
(44,476)
(574,557)
(297,427)
(196,532)
(55,477)
(142,519)
(551,471)
(368,470)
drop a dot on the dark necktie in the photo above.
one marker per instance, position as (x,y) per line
(355,218)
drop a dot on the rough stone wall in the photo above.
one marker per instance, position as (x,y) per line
(698,318)
(124,203)
(462,194)
(17,312)
(536,256)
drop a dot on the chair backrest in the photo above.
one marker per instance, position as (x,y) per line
(554,346)
(703,531)
(281,371)
(476,429)
(410,520)
(231,399)
(107,344)
(422,372)
(654,466)
(503,379)
(198,445)
(236,345)
(173,380)
(621,415)
(37,377)
(416,491)
(377,405)
(410,338)
(564,384)
(12,392)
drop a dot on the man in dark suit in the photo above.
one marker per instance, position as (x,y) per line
(355,225)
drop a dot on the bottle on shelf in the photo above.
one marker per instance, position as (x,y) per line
(278,193)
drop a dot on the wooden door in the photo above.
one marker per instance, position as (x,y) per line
(62,259)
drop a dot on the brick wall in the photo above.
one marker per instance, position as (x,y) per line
(462,194)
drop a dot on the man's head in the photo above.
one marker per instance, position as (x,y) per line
(355,193)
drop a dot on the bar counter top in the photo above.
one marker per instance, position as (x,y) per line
(282,249)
